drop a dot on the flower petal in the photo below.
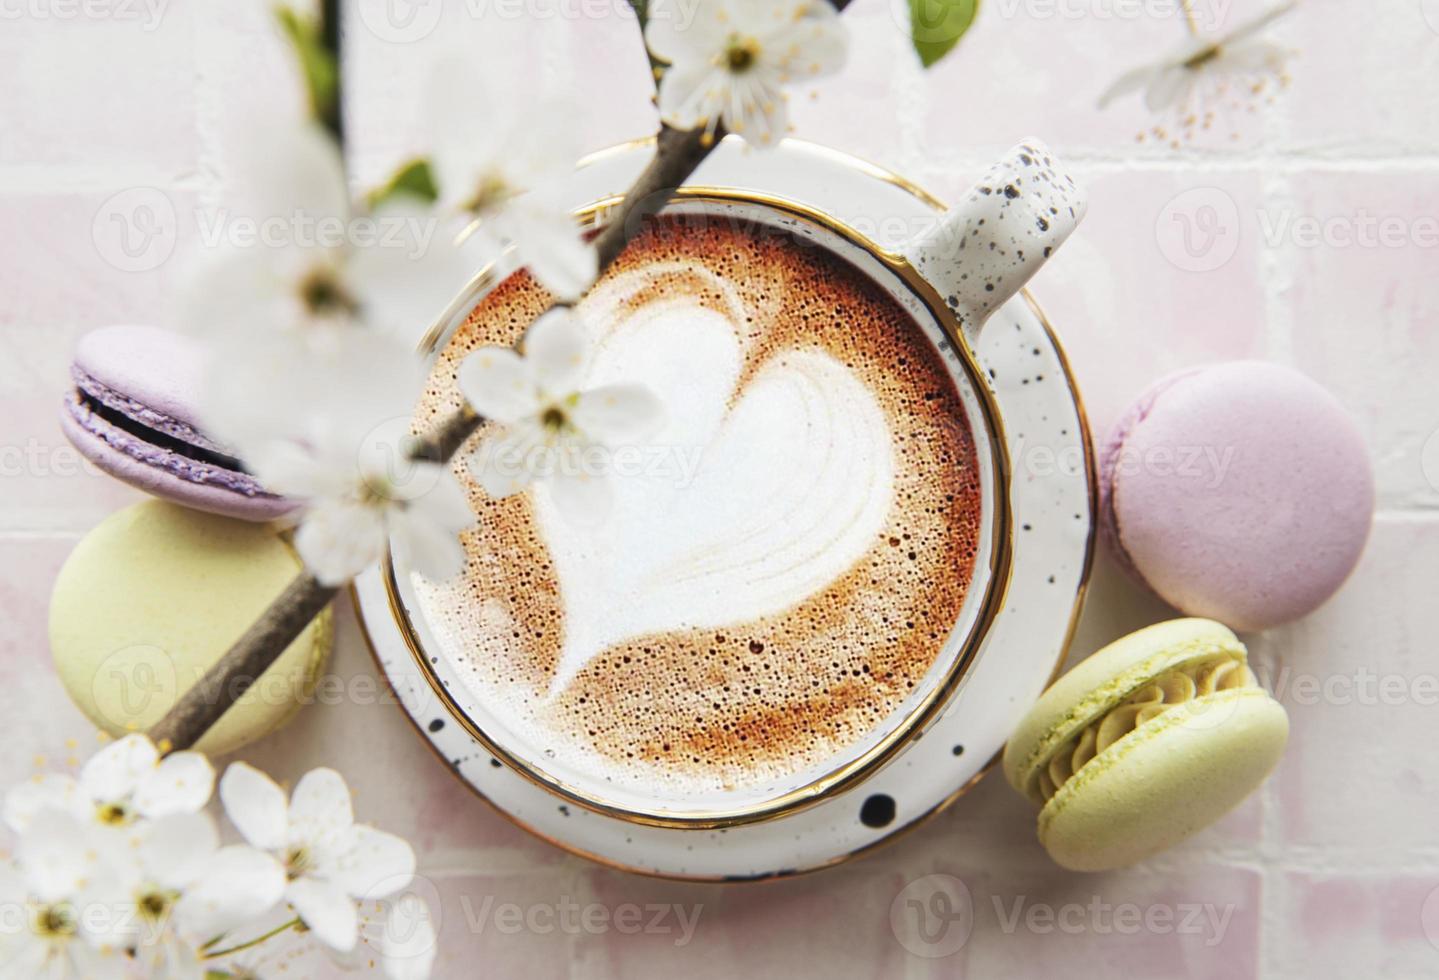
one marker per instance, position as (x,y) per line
(181,783)
(112,774)
(506,463)
(557,349)
(1168,87)
(256,806)
(320,808)
(339,539)
(91,963)
(618,414)
(56,856)
(293,173)
(466,144)
(425,535)
(175,851)
(550,243)
(410,272)
(498,384)
(328,912)
(692,93)
(240,884)
(44,791)
(408,947)
(1134,80)
(756,110)
(682,33)
(378,865)
(812,45)
(293,470)
(582,498)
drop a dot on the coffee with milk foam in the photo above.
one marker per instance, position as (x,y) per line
(785,559)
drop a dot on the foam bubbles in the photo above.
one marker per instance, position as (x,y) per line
(729,633)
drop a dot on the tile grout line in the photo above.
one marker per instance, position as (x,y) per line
(1273,262)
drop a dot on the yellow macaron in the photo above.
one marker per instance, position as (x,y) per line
(153,597)
(1144,743)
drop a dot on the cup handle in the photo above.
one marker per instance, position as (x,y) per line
(1005,227)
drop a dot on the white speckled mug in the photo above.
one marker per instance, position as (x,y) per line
(561,732)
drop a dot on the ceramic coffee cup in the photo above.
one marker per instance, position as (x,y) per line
(777,627)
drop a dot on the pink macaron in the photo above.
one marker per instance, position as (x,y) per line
(132,411)
(1240,492)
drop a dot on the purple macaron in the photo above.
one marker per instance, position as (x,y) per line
(1240,492)
(132,412)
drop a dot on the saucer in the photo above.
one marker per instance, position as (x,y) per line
(1052,495)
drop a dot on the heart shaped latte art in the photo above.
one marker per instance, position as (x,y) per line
(772,477)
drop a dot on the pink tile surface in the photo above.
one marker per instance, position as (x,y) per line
(1361,688)
(1357,253)
(1190,255)
(1336,920)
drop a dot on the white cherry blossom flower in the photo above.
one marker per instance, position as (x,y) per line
(1189,88)
(294,257)
(57,902)
(551,430)
(730,63)
(329,860)
(125,781)
(333,432)
(498,160)
(188,890)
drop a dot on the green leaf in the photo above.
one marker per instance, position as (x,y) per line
(218,975)
(317,62)
(641,8)
(414,179)
(937,25)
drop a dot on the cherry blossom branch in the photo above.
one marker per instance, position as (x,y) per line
(678,153)
(236,672)
(330,26)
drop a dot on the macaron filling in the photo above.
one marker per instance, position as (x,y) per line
(1183,684)
(155,439)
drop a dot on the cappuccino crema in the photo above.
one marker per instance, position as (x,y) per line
(785,560)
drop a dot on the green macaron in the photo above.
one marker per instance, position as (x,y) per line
(1144,743)
(153,597)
